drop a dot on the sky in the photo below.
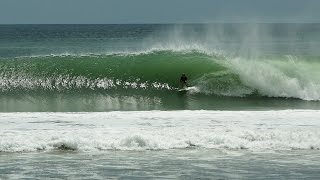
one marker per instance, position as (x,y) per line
(156,11)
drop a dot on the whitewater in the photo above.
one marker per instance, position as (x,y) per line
(162,144)
(158,130)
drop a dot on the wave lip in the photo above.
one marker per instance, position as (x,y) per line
(155,48)
(160,130)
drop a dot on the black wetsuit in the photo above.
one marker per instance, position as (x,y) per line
(183,80)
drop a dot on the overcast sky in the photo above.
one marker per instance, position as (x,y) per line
(156,11)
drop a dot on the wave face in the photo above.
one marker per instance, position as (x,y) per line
(154,70)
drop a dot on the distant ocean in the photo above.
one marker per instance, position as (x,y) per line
(102,101)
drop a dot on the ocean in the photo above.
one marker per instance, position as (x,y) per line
(103,101)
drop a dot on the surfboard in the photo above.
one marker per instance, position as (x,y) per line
(187,89)
(183,90)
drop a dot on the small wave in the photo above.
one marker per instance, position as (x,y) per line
(158,130)
(232,139)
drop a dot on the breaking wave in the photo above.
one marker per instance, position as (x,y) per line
(160,130)
(158,69)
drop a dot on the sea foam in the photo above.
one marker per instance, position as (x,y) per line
(160,130)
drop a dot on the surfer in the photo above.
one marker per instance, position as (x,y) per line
(183,81)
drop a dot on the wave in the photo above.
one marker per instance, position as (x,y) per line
(158,130)
(159,67)
(245,139)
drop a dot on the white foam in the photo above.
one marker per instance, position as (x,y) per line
(65,82)
(278,78)
(158,130)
